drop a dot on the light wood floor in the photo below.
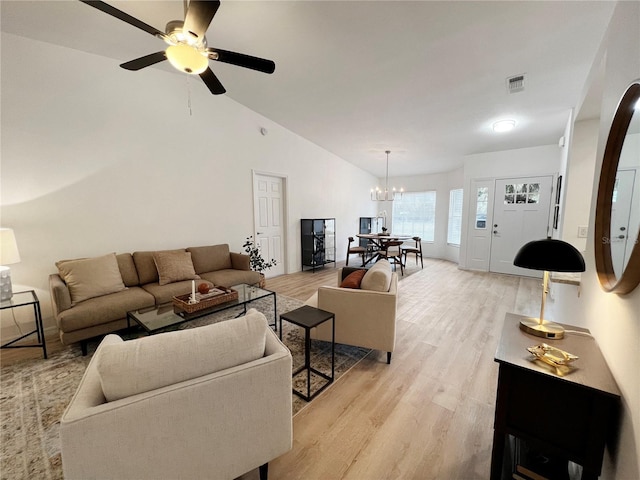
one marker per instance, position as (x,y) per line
(428,415)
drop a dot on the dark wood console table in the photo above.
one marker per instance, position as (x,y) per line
(568,414)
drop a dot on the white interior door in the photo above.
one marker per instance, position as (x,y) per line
(268,208)
(520,214)
(622,240)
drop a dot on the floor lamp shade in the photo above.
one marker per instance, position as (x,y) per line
(8,255)
(548,255)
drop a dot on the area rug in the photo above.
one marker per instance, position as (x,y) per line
(34,393)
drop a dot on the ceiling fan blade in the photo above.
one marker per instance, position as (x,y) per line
(125,17)
(242,60)
(145,61)
(199,16)
(211,81)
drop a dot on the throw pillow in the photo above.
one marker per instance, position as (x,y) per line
(353,279)
(174,266)
(91,277)
(130,367)
(378,277)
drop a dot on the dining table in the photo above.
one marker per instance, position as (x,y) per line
(378,240)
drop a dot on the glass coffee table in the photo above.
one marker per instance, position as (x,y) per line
(155,319)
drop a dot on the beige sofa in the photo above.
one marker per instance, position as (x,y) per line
(365,313)
(91,297)
(206,402)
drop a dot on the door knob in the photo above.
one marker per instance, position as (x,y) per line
(621,237)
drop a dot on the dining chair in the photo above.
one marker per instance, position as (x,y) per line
(416,250)
(356,250)
(392,252)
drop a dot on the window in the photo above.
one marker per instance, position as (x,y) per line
(415,215)
(482,201)
(522,193)
(454,229)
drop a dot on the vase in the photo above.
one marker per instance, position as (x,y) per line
(263,281)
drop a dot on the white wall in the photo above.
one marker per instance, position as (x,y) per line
(579,181)
(97,159)
(563,144)
(542,160)
(614,320)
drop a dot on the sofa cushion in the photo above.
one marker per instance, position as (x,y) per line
(165,293)
(147,363)
(174,267)
(378,277)
(353,280)
(103,310)
(230,277)
(146,267)
(128,270)
(91,277)
(210,258)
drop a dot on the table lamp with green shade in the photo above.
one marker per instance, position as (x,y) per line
(549,255)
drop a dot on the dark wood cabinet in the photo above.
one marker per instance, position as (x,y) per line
(567,413)
(318,238)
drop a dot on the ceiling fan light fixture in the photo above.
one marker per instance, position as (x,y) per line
(187,58)
(504,126)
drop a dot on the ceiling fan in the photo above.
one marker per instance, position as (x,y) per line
(187,47)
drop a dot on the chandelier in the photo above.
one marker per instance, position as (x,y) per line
(386,195)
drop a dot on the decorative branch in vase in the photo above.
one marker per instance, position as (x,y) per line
(257,262)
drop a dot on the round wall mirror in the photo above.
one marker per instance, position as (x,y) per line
(617,227)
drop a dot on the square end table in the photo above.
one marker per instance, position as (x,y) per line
(309,317)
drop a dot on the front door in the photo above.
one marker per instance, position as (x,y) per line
(520,214)
(268,208)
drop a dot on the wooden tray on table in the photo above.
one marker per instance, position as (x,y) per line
(216,296)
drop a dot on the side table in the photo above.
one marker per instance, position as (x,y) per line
(309,317)
(566,413)
(23,299)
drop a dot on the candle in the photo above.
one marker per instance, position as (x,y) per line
(193,290)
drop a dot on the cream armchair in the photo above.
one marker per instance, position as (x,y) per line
(212,402)
(364,317)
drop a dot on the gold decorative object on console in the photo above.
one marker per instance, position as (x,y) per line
(552,355)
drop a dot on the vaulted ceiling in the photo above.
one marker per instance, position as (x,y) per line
(424,79)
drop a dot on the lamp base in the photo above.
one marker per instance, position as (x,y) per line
(544,329)
(6,290)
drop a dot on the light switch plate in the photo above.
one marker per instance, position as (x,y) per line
(583,232)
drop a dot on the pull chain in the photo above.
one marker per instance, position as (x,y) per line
(189,96)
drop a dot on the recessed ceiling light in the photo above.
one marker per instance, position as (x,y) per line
(504,125)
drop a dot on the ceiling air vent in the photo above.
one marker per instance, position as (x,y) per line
(515,84)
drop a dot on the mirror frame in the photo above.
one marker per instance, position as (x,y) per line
(630,277)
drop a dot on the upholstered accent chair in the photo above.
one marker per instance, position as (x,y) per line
(415,250)
(205,402)
(365,310)
(356,250)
